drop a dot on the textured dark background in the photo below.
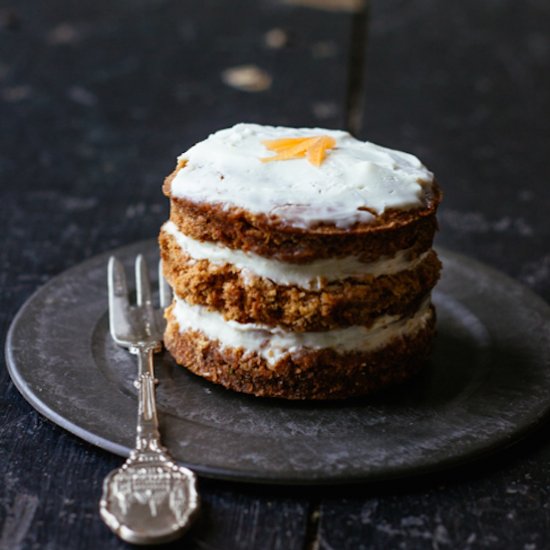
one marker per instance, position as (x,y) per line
(98,98)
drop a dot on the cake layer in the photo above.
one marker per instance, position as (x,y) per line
(273,343)
(357,181)
(306,373)
(245,298)
(312,275)
(241,230)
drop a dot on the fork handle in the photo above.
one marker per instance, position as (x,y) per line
(148,436)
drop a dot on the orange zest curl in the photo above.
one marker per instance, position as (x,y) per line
(313,148)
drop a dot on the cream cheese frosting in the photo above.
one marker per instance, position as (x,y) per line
(309,276)
(274,343)
(226,169)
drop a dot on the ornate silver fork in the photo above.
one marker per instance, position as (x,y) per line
(150,499)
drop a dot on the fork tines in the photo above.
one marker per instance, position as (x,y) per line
(138,324)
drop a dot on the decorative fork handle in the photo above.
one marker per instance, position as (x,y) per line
(149,499)
(148,436)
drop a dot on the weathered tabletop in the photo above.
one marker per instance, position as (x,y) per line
(98,98)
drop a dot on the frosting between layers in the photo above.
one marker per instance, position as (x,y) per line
(226,169)
(274,343)
(308,276)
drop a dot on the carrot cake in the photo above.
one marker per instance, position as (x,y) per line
(301,262)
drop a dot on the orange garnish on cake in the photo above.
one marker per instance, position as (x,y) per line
(317,153)
(314,148)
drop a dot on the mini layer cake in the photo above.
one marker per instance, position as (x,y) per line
(301,262)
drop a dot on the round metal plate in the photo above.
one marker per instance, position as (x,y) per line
(487,383)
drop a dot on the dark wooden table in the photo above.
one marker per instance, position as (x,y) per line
(97,99)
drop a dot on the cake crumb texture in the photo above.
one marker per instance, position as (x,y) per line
(258,300)
(313,374)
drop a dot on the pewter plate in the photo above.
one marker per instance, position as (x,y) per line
(486,385)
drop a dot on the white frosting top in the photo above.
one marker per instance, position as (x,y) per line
(309,276)
(226,169)
(273,343)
